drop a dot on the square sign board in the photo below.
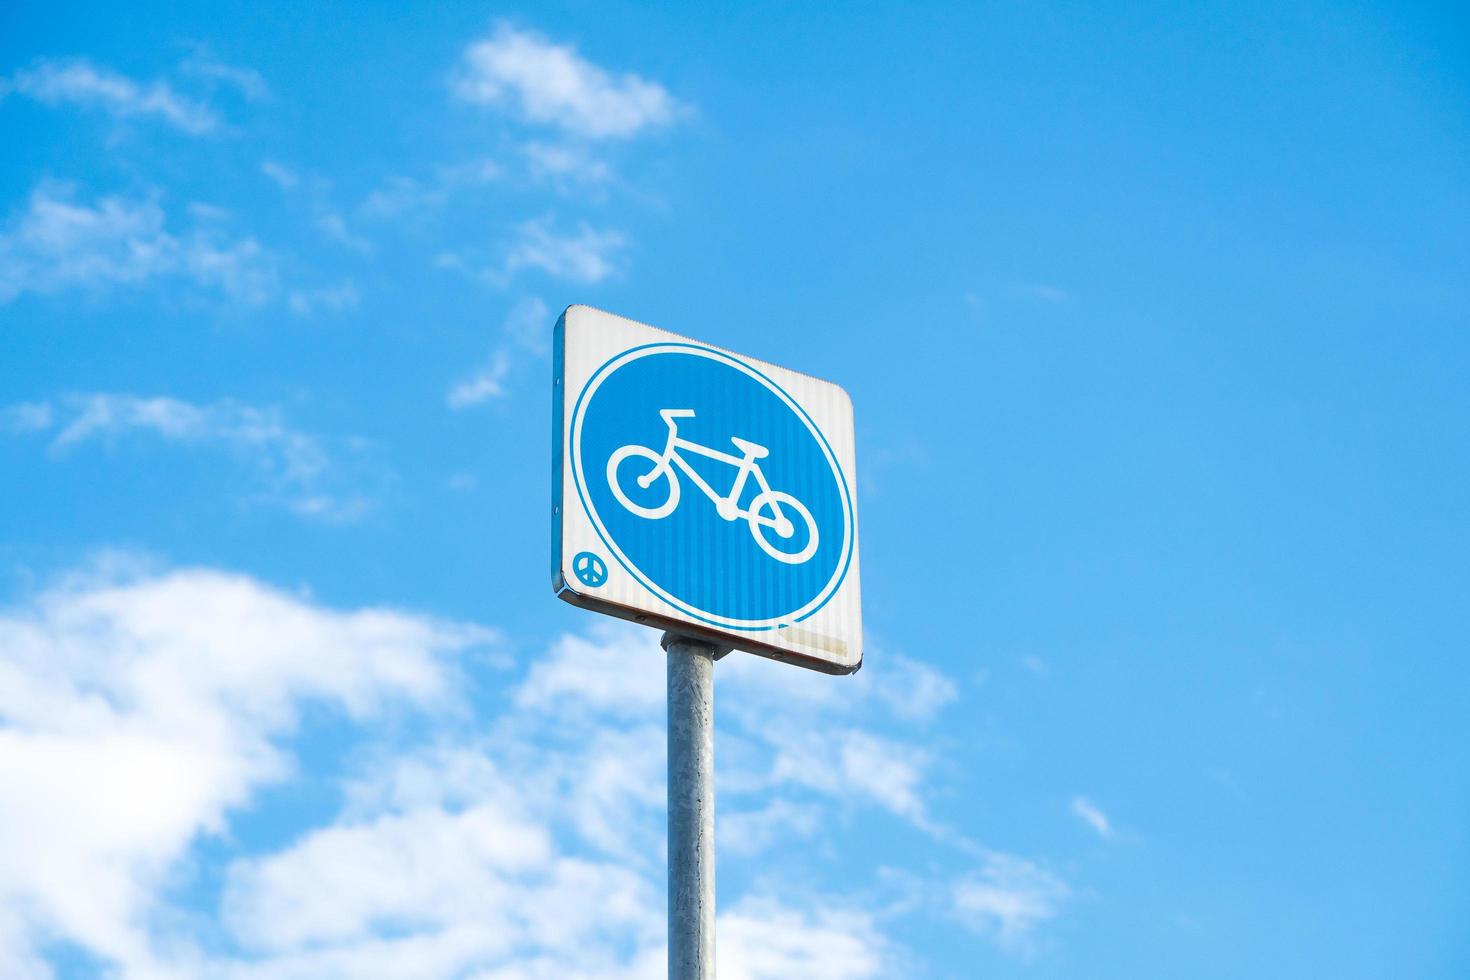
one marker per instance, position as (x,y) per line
(704,492)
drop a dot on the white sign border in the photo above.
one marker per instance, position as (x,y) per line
(847,662)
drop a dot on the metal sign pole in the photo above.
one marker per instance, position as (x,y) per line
(691,693)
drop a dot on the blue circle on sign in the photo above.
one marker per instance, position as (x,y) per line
(712,486)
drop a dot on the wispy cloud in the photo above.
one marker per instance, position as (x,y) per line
(1093,816)
(167,700)
(337,298)
(528,326)
(587,255)
(583,255)
(1007,899)
(858,763)
(552,84)
(470,173)
(462,482)
(565,164)
(412,197)
(913,690)
(81,83)
(315,192)
(524,332)
(204,64)
(532,848)
(754,831)
(286,466)
(331,224)
(57,242)
(486,383)
(28,417)
(520,840)
(164,701)
(1047,294)
(770,939)
(852,762)
(403,195)
(279,174)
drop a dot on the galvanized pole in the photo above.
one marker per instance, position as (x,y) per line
(691,691)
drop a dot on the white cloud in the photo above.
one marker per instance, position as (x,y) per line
(28,417)
(530,852)
(486,893)
(466,888)
(403,195)
(471,173)
(565,163)
(528,326)
(1047,294)
(913,690)
(608,674)
(334,226)
(326,218)
(516,842)
(325,299)
(753,831)
(486,383)
(889,683)
(1092,815)
(553,84)
(58,243)
(411,197)
(854,762)
(471,881)
(615,671)
(203,64)
(1007,899)
(526,331)
(293,454)
(767,940)
(462,482)
(586,255)
(288,466)
(139,711)
(79,82)
(279,174)
(208,212)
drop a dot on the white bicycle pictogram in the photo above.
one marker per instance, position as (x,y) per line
(767,512)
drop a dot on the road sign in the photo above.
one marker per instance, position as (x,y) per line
(704,492)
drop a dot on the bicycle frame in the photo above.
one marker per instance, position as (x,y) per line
(728,507)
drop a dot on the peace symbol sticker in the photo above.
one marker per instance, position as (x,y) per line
(589,569)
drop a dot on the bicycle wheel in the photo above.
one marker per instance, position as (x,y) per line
(671,496)
(767,511)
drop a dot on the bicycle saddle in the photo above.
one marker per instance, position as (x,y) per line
(749,448)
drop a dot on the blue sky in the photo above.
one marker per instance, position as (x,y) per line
(1155,321)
